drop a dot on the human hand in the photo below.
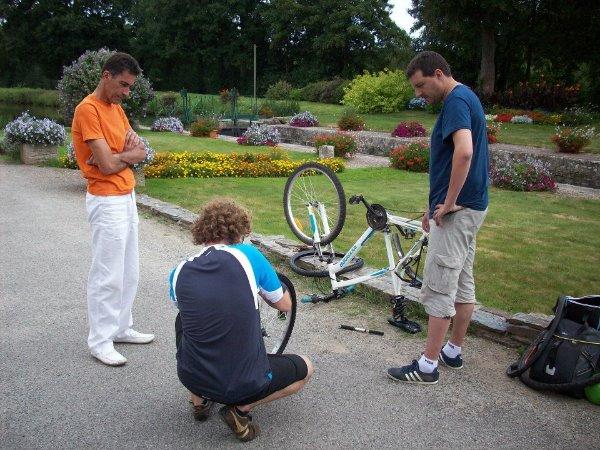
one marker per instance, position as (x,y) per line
(425,221)
(132,140)
(442,209)
(91,161)
(135,155)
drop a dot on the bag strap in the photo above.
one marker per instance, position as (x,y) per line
(517,368)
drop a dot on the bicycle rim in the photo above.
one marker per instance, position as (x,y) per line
(277,326)
(315,185)
(308,264)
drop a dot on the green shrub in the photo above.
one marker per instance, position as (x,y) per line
(279,91)
(81,78)
(327,91)
(296,94)
(344,145)
(281,108)
(350,121)
(413,157)
(383,92)
(203,127)
(29,96)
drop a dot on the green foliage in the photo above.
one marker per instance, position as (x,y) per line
(280,108)
(413,157)
(386,91)
(350,121)
(325,91)
(29,96)
(203,127)
(279,91)
(344,145)
(81,77)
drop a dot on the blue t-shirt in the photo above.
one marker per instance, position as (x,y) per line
(461,110)
(222,354)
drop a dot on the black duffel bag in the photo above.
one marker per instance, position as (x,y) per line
(565,357)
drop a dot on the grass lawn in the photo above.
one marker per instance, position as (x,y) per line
(530,250)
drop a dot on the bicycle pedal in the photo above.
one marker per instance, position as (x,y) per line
(405,325)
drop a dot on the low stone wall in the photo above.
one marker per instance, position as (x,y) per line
(508,329)
(576,169)
(370,142)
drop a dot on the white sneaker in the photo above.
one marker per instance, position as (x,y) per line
(110,357)
(134,337)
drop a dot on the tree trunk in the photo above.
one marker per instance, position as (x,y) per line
(487,72)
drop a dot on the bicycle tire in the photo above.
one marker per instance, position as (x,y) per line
(316,191)
(321,273)
(276,330)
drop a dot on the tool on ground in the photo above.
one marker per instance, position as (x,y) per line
(362,330)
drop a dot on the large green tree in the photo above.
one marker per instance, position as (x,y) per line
(40,36)
(499,43)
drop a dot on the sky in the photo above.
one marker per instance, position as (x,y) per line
(400,16)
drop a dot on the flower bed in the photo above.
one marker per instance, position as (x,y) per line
(572,140)
(167,124)
(344,145)
(260,135)
(520,173)
(210,165)
(305,119)
(413,157)
(26,129)
(409,129)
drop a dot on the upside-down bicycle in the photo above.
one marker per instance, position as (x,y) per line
(315,209)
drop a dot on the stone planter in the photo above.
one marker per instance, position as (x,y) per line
(38,154)
(140,178)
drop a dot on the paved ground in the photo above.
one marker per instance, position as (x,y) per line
(54,395)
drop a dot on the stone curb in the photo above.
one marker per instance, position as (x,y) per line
(510,330)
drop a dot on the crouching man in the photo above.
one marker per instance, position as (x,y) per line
(221,355)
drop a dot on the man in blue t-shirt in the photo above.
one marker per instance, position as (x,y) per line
(458,201)
(221,355)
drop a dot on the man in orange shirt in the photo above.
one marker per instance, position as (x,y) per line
(106,147)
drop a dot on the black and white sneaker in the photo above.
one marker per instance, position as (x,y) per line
(452,363)
(412,374)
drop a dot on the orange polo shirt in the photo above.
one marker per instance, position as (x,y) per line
(95,119)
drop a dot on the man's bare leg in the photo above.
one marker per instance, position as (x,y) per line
(460,322)
(289,390)
(436,333)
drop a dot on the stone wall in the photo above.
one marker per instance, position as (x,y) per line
(370,142)
(576,169)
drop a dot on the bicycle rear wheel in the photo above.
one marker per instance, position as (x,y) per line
(302,260)
(412,272)
(277,326)
(314,185)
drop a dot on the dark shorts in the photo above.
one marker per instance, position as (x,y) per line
(286,370)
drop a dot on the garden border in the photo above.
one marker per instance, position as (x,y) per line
(513,330)
(581,169)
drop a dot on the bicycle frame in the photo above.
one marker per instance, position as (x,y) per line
(410,226)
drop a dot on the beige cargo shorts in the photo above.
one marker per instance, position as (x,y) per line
(448,272)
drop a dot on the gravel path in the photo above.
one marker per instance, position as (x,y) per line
(54,395)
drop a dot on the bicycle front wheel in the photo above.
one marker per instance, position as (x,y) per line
(277,326)
(314,187)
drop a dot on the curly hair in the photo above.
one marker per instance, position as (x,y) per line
(221,220)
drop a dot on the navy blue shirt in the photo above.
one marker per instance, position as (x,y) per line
(461,110)
(222,355)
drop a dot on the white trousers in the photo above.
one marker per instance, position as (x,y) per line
(114,274)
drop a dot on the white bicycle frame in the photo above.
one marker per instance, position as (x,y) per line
(411,226)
